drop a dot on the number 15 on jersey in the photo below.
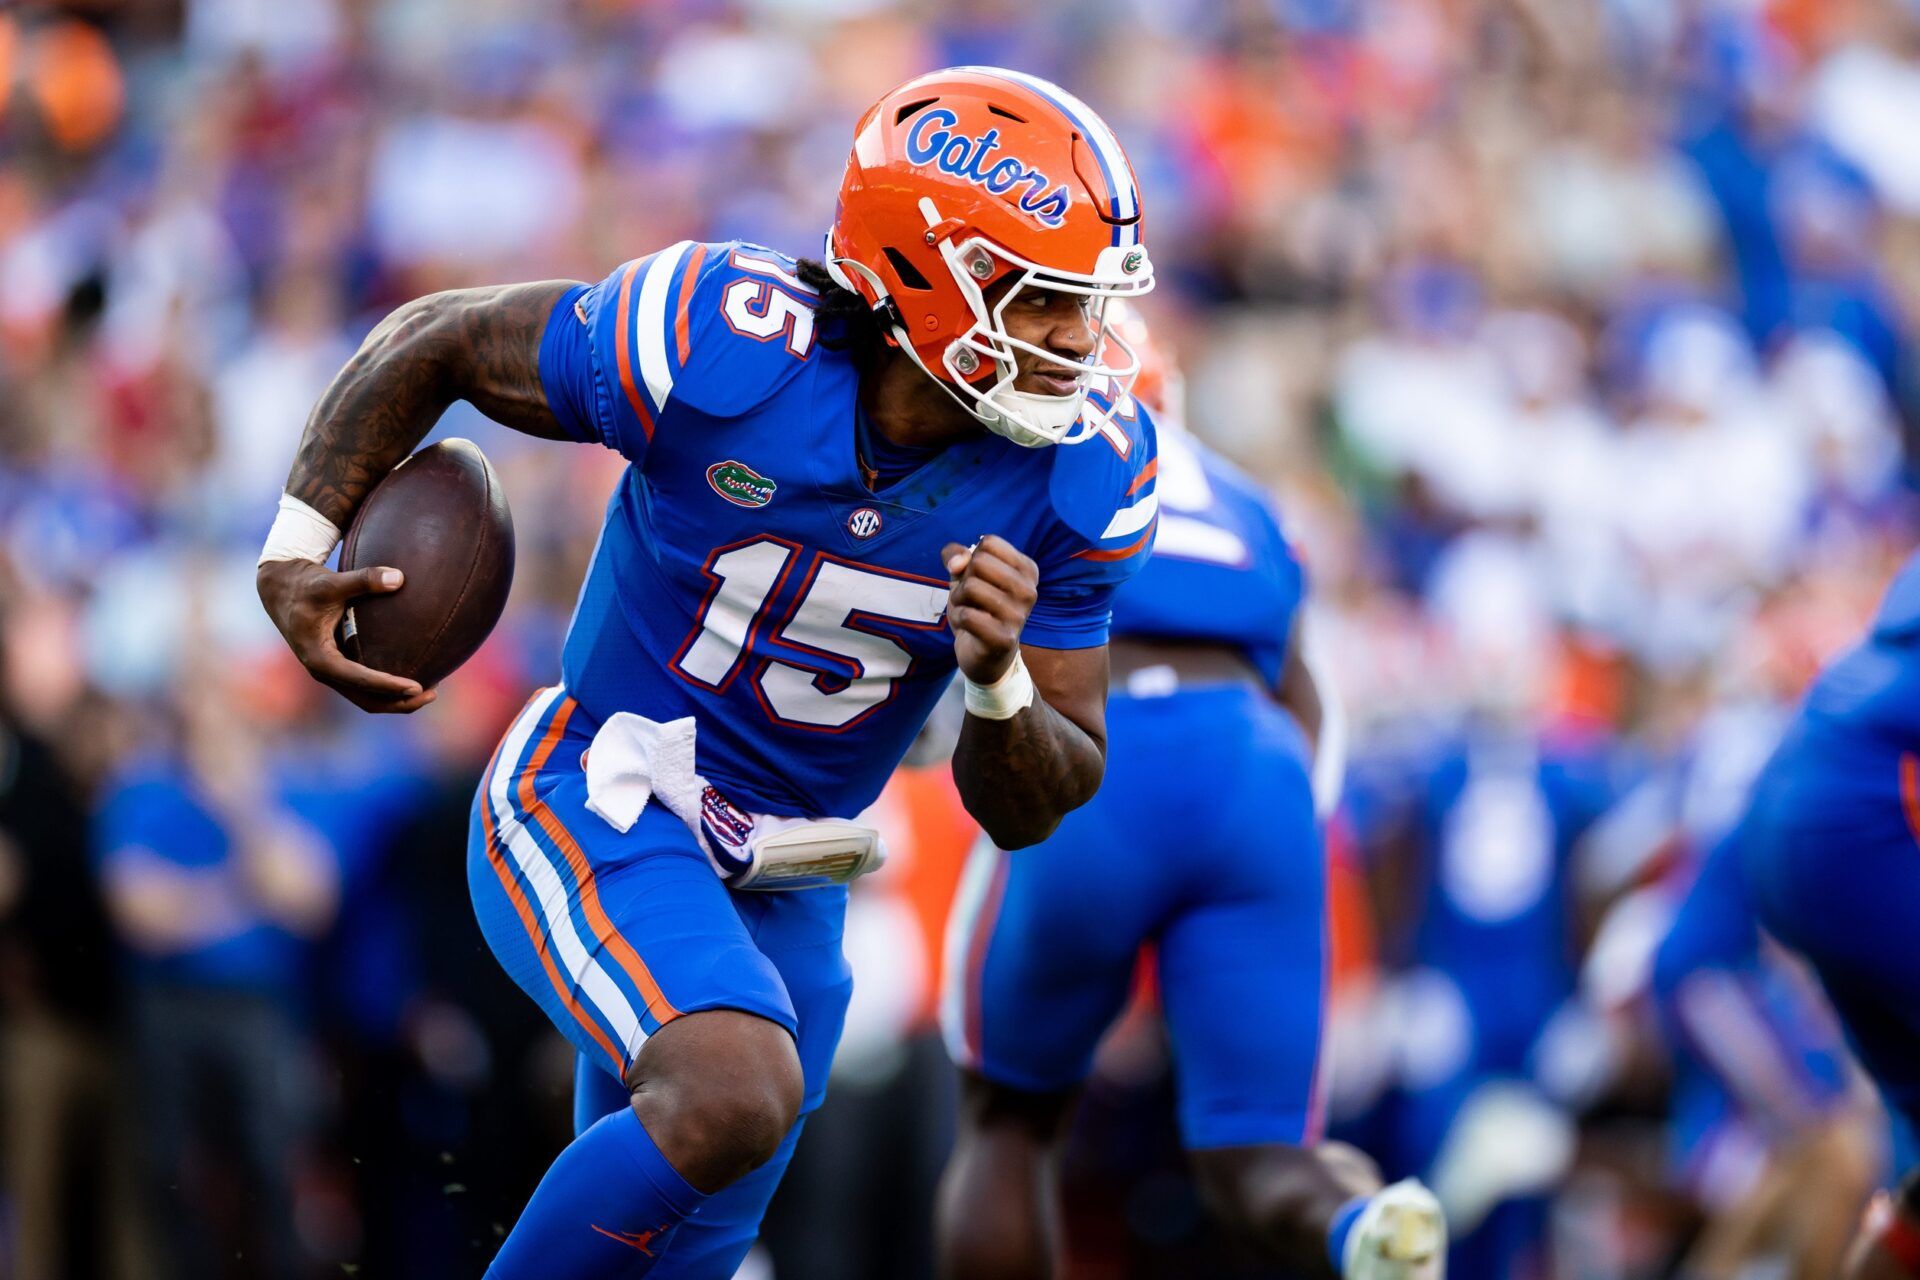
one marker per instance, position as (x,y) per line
(825,660)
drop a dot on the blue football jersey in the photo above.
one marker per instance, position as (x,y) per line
(1874,687)
(747,577)
(1221,568)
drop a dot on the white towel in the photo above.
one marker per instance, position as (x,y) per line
(634,759)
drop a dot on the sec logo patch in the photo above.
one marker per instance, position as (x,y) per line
(864,523)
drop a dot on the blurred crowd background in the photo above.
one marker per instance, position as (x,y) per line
(1576,337)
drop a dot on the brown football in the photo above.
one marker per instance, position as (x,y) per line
(440,518)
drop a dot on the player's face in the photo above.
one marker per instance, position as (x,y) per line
(1053,321)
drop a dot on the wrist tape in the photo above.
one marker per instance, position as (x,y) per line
(1006,697)
(299,533)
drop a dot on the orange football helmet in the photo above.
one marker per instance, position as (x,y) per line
(962,178)
(1158,383)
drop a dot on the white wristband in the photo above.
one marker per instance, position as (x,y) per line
(1006,697)
(299,533)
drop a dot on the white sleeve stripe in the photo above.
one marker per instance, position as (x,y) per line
(1185,538)
(652,327)
(1134,518)
(549,891)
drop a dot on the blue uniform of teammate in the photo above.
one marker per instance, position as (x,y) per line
(1831,850)
(1202,841)
(1202,844)
(841,489)
(1762,1133)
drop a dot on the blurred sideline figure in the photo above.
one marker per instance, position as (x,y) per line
(1831,852)
(1203,844)
(221,882)
(65,1120)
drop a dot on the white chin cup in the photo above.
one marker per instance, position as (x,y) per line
(1032,421)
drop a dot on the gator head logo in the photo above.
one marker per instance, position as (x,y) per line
(1133,262)
(740,484)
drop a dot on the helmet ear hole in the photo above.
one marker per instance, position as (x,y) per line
(909,274)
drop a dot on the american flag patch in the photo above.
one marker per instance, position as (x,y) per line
(723,821)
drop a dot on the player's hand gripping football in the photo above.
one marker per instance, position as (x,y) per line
(993,589)
(306,601)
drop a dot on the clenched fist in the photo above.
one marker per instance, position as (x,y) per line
(993,589)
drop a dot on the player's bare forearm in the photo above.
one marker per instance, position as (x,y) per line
(1019,777)
(480,345)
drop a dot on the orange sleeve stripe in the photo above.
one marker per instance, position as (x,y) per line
(622,340)
(688,279)
(603,928)
(532,926)
(1147,473)
(1910,792)
(1121,553)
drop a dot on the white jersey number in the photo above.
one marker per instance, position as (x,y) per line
(834,605)
(763,311)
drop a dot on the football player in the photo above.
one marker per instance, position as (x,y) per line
(1831,850)
(848,478)
(1203,843)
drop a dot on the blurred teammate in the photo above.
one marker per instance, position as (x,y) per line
(840,490)
(1204,844)
(1764,1127)
(1831,850)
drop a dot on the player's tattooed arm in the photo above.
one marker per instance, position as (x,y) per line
(478,345)
(1018,777)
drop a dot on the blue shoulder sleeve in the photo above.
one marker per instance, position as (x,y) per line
(566,368)
(712,328)
(744,329)
(1105,511)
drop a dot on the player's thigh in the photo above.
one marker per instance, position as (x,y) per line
(1831,854)
(1832,859)
(1041,949)
(1243,972)
(612,933)
(711,1244)
(800,933)
(1883,1025)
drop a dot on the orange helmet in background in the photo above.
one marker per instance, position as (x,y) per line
(962,178)
(1158,382)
